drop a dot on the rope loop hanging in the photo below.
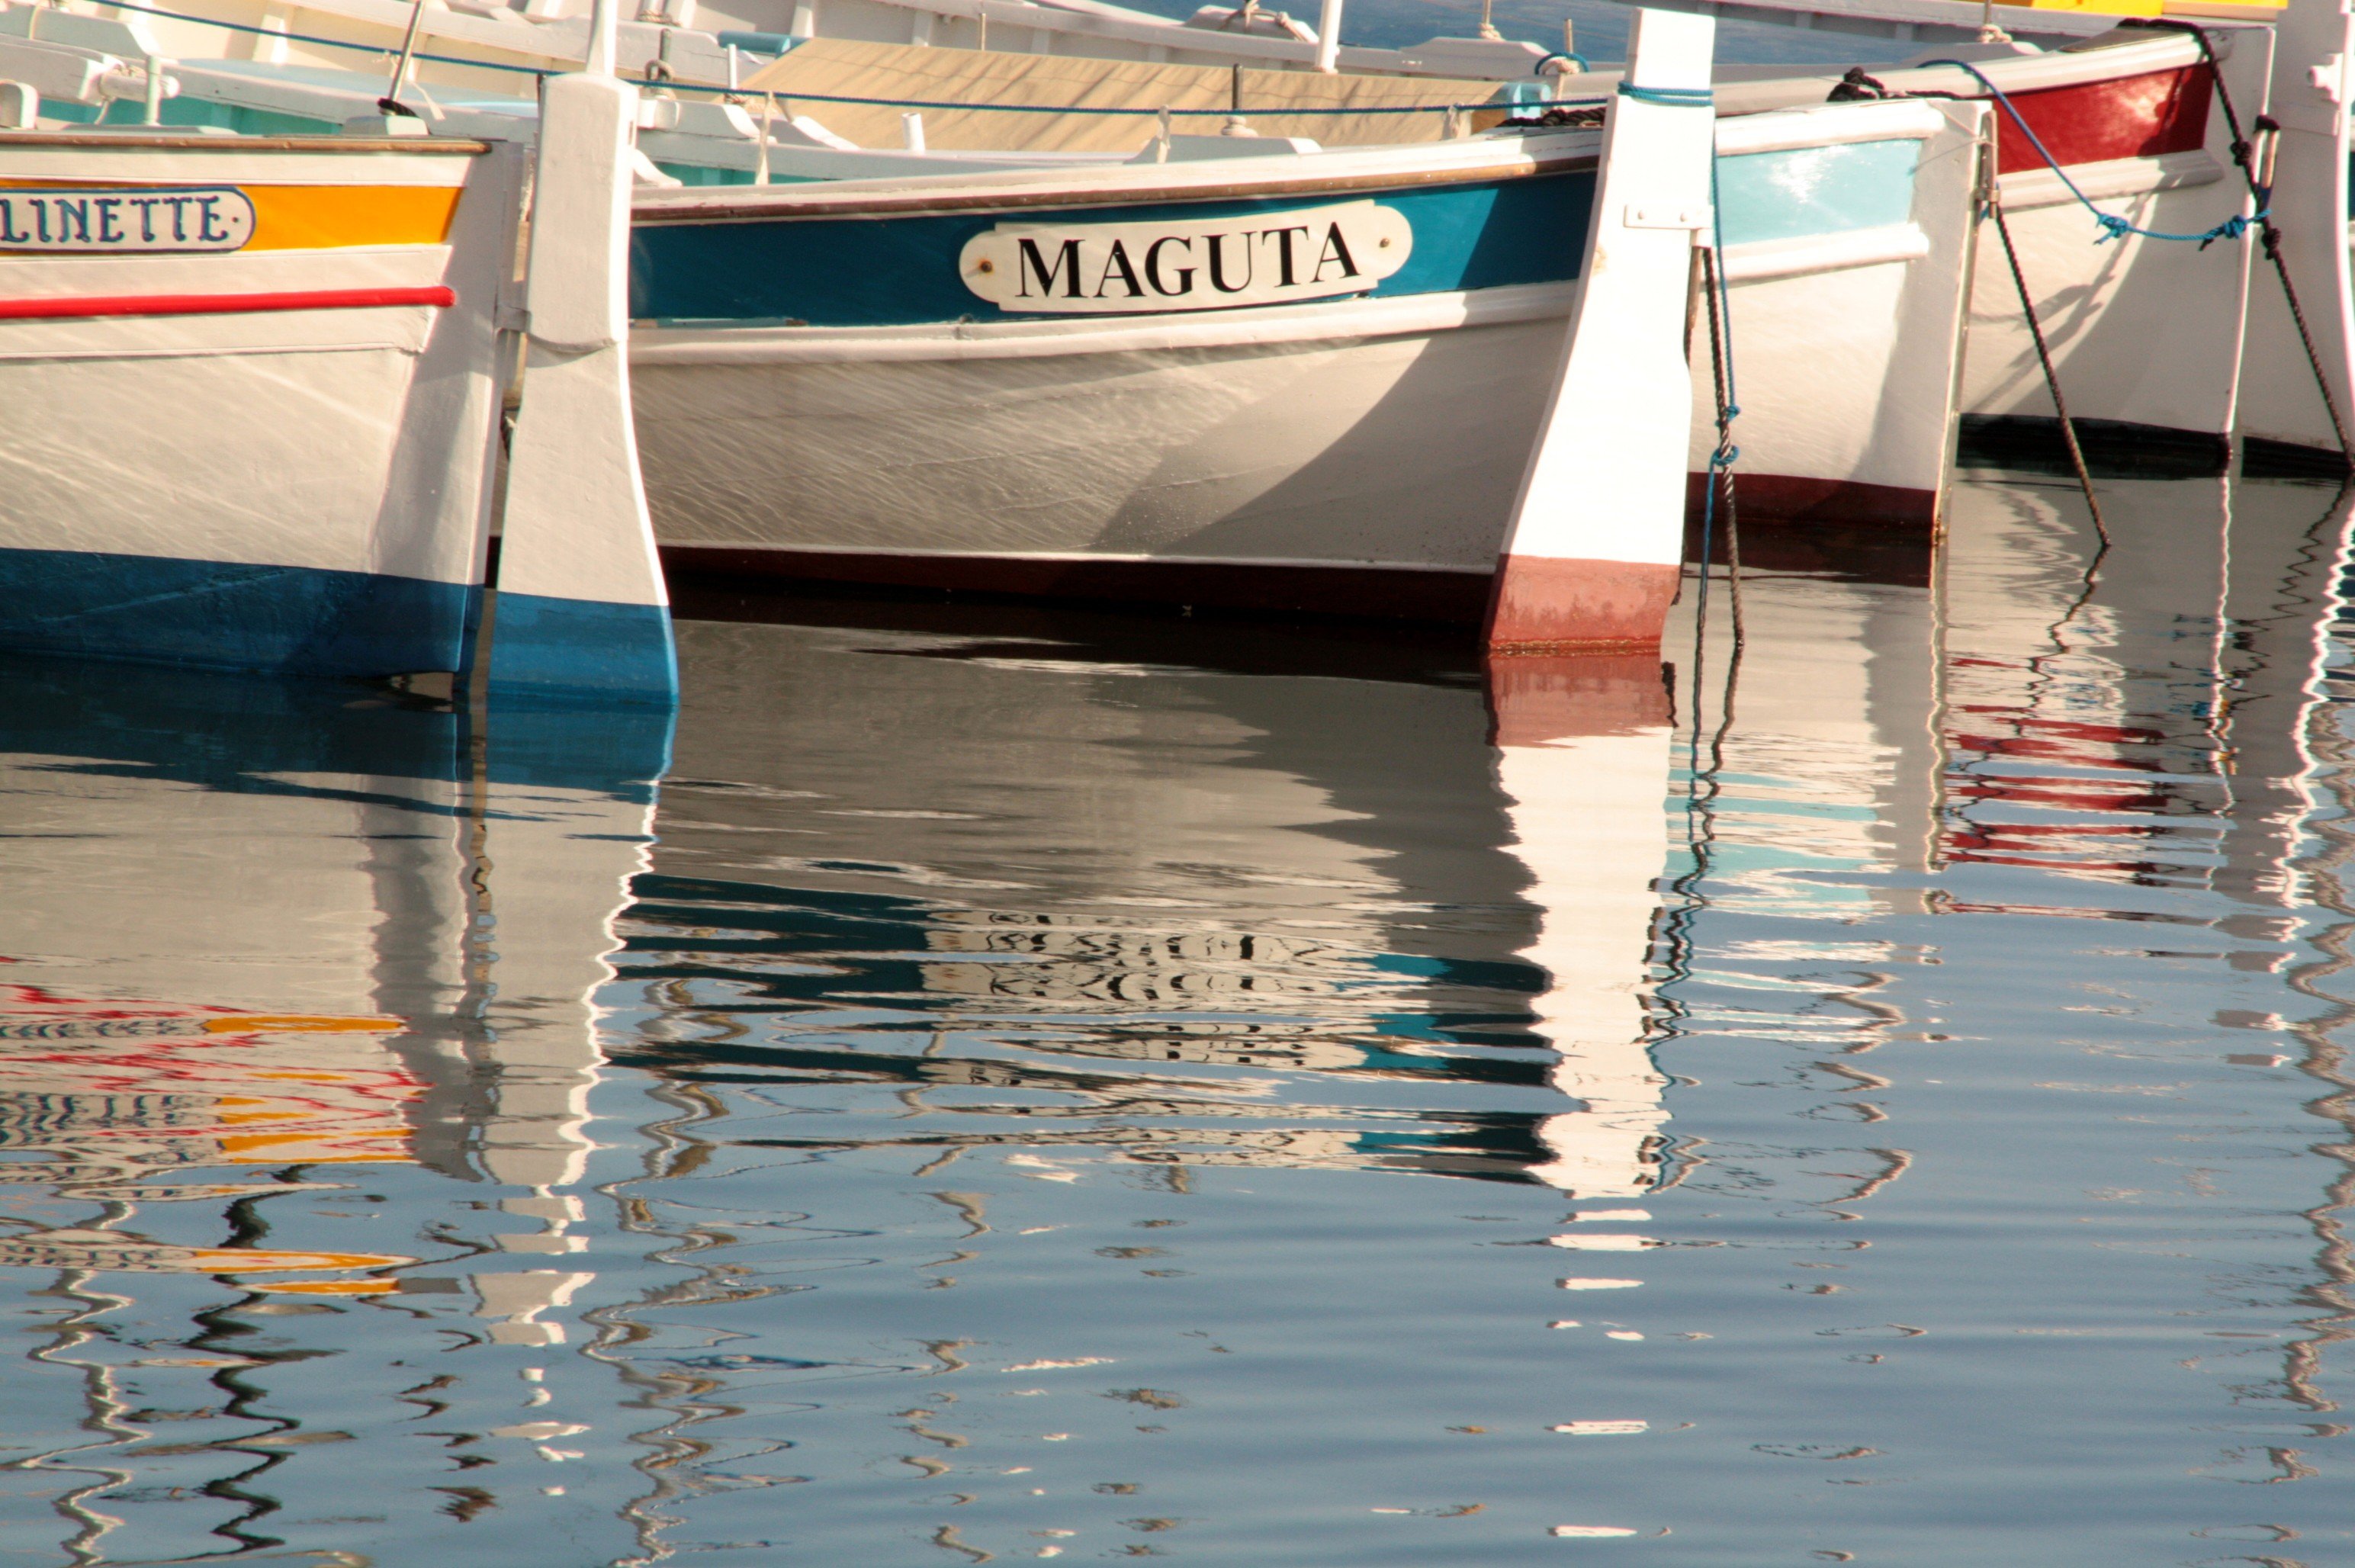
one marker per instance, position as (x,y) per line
(1717,291)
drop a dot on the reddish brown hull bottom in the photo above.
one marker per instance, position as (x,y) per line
(1547,604)
(1776,498)
(1534,700)
(1842,553)
(1459,597)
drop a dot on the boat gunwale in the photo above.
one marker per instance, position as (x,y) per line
(2088,61)
(1033,190)
(1349,318)
(446,146)
(792,203)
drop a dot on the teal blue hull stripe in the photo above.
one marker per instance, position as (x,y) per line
(898,271)
(580,650)
(902,271)
(225,615)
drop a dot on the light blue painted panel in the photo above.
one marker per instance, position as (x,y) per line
(1805,191)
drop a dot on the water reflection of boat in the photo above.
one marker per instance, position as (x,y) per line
(2099,719)
(229,1088)
(2162,717)
(319,888)
(1089,898)
(277,1039)
(1583,760)
(1247,933)
(112,1098)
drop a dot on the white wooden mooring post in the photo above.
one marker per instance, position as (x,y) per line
(1592,553)
(583,615)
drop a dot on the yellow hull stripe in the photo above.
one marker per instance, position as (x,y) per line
(333,216)
(297,1023)
(322,217)
(2261,10)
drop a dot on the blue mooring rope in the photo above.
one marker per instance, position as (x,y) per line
(1726,451)
(1729,409)
(2113,226)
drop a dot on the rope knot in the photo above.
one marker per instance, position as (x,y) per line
(2232,227)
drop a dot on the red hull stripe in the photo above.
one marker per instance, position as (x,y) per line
(439,297)
(2130,117)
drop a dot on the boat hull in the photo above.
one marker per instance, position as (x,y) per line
(273,454)
(2144,333)
(1344,466)
(1356,454)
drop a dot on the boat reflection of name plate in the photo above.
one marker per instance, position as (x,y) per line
(126,220)
(1187,263)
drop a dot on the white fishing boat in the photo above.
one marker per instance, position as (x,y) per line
(2294,394)
(1827,197)
(1280,382)
(249,395)
(2144,333)
(2302,320)
(2104,147)
(251,390)
(2103,151)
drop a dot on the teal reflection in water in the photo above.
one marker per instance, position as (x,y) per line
(1027,1085)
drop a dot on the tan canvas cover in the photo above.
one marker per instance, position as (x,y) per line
(846,68)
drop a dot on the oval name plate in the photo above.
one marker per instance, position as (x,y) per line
(125,219)
(1187,263)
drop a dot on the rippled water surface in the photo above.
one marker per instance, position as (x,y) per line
(997,1085)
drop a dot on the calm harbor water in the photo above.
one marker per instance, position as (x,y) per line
(997,1085)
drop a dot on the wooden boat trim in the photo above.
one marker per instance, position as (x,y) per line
(2024,190)
(938,197)
(2072,66)
(1309,321)
(116,140)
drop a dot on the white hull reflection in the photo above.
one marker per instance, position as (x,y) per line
(333,965)
(1227,959)
(2201,631)
(1084,933)
(270,959)
(1584,763)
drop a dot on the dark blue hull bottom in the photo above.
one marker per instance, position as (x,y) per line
(213,615)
